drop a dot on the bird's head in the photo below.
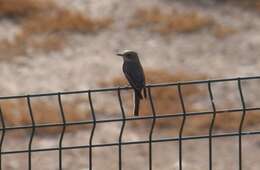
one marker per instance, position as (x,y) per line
(129,55)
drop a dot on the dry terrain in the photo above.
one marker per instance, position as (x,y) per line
(63,45)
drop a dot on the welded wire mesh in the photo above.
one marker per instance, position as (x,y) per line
(154,116)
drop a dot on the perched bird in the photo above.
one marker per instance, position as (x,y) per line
(134,73)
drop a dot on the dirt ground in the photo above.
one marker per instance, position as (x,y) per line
(224,44)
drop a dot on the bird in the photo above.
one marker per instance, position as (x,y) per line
(134,73)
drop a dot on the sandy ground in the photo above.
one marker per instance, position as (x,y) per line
(201,52)
(87,59)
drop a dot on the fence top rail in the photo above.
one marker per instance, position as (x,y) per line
(128,87)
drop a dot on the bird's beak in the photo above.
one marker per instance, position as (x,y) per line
(119,54)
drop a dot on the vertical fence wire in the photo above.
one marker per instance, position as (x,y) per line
(92,130)
(241,122)
(2,136)
(182,125)
(121,130)
(151,130)
(211,124)
(32,133)
(63,130)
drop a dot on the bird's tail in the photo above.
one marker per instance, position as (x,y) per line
(145,95)
(137,97)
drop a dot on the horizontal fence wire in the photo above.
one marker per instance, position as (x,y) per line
(123,119)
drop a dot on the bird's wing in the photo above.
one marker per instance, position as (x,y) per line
(134,74)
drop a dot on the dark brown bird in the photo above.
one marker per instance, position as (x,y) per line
(134,73)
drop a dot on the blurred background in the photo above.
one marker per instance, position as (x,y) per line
(63,45)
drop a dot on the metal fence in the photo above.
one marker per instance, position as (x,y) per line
(154,117)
